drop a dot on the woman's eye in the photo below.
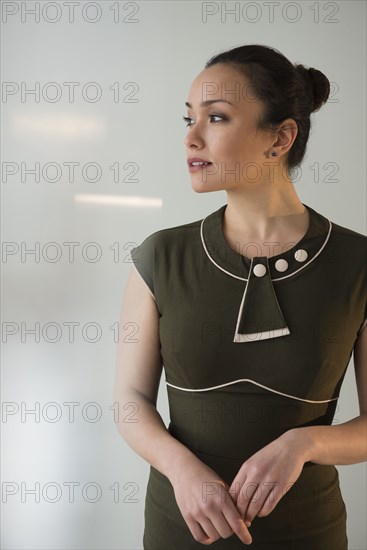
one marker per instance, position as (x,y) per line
(188,119)
(218,116)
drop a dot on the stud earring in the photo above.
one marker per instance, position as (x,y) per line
(274,153)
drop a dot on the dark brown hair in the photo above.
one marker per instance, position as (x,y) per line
(286,90)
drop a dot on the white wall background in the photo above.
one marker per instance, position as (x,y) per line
(148,52)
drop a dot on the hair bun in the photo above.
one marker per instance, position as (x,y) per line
(318,86)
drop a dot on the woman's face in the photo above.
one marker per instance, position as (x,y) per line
(226,134)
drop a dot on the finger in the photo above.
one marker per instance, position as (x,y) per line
(254,506)
(209,529)
(270,502)
(266,500)
(237,524)
(249,492)
(199,534)
(221,525)
(235,488)
(241,530)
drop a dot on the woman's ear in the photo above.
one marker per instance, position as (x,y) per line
(286,134)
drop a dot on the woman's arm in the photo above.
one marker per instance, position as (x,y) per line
(138,372)
(268,474)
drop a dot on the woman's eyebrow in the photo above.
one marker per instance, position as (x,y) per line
(209,102)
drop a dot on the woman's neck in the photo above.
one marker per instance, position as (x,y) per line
(274,216)
(262,211)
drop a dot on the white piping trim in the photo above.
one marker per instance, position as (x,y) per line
(266,335)
(256,384)
(211,259)
(277,278)
(312,259)
(236,334)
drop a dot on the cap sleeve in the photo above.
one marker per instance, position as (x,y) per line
(143,260)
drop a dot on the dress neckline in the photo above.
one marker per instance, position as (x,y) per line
(282,265)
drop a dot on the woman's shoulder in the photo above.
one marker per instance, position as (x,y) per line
(338,229)
(174,233)
(349,246)
(348,232)
(349,239)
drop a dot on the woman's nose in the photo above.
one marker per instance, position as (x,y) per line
(193,139)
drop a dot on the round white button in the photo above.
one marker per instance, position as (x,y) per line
(259,270)
(281,265)
(301,255)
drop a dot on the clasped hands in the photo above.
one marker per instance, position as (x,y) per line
(214,510)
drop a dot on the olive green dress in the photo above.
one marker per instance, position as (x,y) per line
(252,348)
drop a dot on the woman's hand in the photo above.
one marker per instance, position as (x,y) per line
(267,475)
(206,505)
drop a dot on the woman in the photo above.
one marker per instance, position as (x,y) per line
(254,312)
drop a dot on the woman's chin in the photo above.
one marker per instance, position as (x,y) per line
(201,187)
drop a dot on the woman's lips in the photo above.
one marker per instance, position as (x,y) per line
(198,167)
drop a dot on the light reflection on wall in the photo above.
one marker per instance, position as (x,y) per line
(64,125)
